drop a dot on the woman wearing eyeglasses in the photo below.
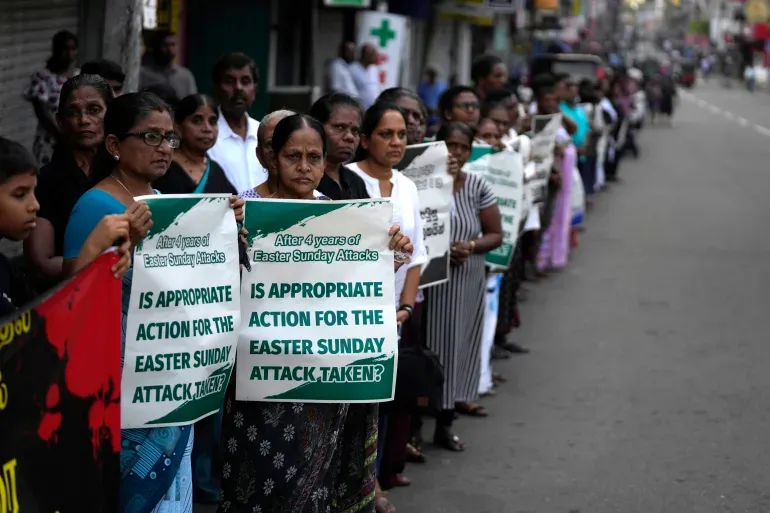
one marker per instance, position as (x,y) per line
(138,147)
(461,104)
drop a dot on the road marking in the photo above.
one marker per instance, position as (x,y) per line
(729,115)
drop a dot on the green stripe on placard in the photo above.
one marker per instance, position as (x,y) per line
(381,389)
(197,408)
(166,212)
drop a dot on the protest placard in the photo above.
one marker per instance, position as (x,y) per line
(319,321)
(426,166)
(60,398)
(504,172)
(545,129)
(184,312)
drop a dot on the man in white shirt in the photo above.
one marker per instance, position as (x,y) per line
(235,87)
(366,76)
(340,76)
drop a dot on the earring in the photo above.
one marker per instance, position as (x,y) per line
(117,157)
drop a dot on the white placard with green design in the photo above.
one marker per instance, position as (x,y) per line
(504,171)
(184,312)
(545,129)
(319,321)
(426,165)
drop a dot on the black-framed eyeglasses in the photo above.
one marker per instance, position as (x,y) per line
(156,139)
(468,105)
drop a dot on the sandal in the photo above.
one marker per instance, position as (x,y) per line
(447,440)
(471,410)
(414,455)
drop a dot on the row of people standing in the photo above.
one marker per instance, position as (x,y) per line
(301,457)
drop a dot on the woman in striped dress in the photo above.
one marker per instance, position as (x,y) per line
(456,309)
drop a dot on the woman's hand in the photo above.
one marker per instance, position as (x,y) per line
(237,204)
(109,230)
(452,166)
(399,242)
(459,252)
(124,263)
(140,221)
(402,316)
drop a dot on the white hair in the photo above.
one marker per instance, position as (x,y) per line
(282,113)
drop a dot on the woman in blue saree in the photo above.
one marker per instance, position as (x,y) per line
(138,148)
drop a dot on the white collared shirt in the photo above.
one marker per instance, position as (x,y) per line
(406,214)
(238,157)
(341,78)
(367,81)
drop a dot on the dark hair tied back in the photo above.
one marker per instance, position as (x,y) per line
(123,115)
(187,106)
(455,126)
(372,119)
(324,106)
(290,124)
(79,81)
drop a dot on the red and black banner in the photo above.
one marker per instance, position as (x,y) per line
(60,398)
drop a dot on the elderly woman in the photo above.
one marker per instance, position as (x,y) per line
(339,456)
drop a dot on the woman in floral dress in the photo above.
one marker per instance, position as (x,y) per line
(43,92)
(299,457)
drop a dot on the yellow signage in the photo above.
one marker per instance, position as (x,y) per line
(547,5)
(168,15)
(474,11)
(757,11)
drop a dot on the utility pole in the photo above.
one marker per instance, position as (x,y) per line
(122,38)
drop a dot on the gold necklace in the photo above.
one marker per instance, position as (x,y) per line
(122,185)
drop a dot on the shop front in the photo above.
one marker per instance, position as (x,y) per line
(26,30)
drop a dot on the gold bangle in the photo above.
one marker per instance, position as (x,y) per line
(473,246)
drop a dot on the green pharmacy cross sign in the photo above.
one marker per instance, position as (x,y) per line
(383,33)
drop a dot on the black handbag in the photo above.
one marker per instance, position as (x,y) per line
(420,375)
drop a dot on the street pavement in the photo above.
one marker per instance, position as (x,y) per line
(647,389)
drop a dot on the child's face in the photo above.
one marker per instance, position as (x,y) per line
(18,206)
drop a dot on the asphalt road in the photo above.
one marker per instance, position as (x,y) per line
(648,387)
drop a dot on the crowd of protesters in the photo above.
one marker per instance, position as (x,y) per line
(99,149)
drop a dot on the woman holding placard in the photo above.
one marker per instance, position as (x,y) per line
(294,456)
(456,309)
(138,146)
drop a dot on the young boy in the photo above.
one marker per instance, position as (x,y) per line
(18,210)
